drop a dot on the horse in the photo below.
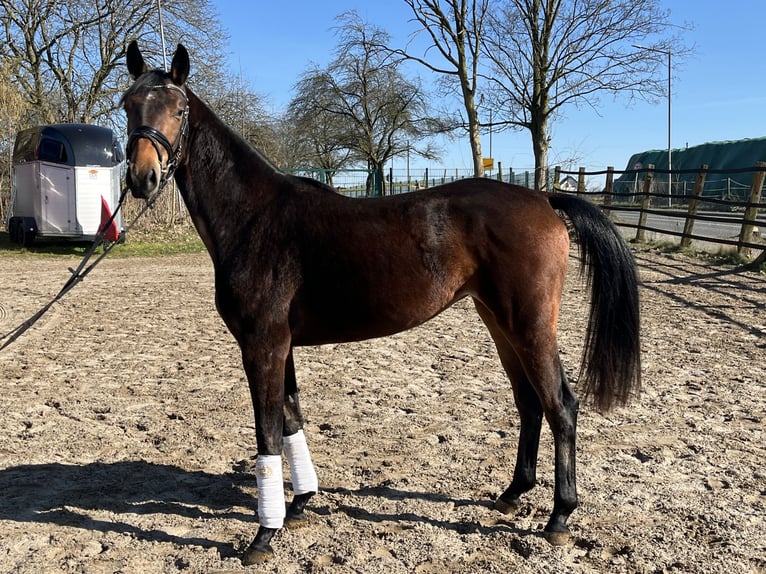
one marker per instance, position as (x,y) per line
(297,263)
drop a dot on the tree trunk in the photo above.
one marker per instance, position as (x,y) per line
(475,137)
(540,30)
(540,147)
(375,184)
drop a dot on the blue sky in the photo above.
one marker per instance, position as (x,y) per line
(718,93)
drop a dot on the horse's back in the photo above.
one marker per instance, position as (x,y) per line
(371,267)
(464,205)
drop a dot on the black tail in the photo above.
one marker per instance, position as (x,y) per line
(611,363)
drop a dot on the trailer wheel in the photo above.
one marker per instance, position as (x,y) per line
(26,231)
(14,225)
(28,237)
(16,229)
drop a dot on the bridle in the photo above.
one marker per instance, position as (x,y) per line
(157,139)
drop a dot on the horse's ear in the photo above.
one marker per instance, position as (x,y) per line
(179,68)
(136,64)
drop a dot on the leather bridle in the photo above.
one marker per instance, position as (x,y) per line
(159,140)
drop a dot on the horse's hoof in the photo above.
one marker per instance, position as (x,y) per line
(505,507)
(298,520)
(557,538)
(260,550)
(257,555)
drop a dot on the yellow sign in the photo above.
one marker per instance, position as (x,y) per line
(488,162)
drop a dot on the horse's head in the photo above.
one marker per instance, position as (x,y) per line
(158,118)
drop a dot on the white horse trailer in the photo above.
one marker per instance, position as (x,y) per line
(65,177)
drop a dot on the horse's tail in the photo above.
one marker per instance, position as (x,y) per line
(611,363)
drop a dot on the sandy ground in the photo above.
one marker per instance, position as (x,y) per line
(127,438)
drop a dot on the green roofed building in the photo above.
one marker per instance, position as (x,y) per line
(732,158)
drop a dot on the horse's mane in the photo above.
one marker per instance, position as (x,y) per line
(314,183)
(212,121)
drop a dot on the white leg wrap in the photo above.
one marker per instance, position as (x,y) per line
(302,471)
(271,492)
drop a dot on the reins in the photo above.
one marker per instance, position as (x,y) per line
(157,139)
(82,270)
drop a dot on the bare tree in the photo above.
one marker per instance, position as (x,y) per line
(66,56)
(455,28)
(379,112)
(317,135)
(12,110)
(549,54)
(66,59)
(235,102)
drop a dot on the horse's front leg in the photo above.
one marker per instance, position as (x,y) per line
(302,472)
(264,361)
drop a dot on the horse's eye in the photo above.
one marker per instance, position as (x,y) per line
(178,114)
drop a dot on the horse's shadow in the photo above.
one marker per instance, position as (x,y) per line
(389,493)
(75,496)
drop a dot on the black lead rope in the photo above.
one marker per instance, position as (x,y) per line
(82,269)
(157,139)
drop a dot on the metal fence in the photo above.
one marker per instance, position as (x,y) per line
(367,183)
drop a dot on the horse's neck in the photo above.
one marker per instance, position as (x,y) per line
(223,181)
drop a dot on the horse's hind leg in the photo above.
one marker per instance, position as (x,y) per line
(525,471)
(302,472)
(540,388)
(563,421)
(530,416)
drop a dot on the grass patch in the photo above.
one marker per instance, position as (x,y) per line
(730,257)
(726,256)
(156,242)
(668,247)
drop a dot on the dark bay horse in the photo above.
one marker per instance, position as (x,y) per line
(297,264)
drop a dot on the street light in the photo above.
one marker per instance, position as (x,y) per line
(670,159)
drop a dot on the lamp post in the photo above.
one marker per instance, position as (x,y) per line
(670,116)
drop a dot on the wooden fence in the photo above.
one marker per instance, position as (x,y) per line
(682,203)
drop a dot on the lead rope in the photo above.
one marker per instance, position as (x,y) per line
(81,271)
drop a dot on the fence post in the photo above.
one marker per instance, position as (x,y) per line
(699,185)
(608,188)
(645,201)
(556,177)
(500,171)
(581,181)
(746,233)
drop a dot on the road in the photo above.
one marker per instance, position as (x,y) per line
(712,229)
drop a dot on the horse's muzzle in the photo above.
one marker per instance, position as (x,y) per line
(144,183)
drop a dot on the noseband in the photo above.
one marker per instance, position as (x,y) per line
(158,139)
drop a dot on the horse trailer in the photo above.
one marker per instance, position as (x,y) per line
(66,177)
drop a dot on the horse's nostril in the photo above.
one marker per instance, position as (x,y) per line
(143,183)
